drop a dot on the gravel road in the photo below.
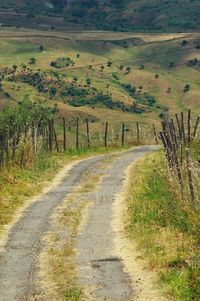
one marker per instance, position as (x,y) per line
(99,272)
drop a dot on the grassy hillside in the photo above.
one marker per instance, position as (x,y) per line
(122,77)
(179,15)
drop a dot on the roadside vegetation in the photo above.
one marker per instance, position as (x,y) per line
(165,226)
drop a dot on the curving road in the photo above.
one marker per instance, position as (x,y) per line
(98,269)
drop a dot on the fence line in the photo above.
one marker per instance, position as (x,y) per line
(177,142)
(57,135)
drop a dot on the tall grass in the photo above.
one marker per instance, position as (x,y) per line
(166,228)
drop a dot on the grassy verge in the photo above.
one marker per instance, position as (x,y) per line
(18,184)
(166,230)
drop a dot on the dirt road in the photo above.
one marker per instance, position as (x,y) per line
(100,272)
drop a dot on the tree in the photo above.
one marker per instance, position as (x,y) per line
(75,79)
(52,92)
(184,43)
(41,48)
(171,64)
(186,88)
(32,61)
(14,67)
(88,81)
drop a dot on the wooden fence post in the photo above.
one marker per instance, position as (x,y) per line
(189,128)
(6,142)
(190,178)
(77,133)
(178,124)
(138,133)
(106,135)
(196,126)
(155,134)
(56,140)
(50,135)
(35,137)
(64,135)
(123,134)
(2,149)
(183,128)
(88,133)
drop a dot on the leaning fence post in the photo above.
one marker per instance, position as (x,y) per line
(190,178)
(196,126)
(183,128)
(178,124)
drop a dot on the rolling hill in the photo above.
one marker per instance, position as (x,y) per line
(144,15)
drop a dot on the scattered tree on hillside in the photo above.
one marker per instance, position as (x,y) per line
(32,61)
(193,62)
(128,70)
(14,67)
(88,81)
(184,43)
(186,88)
(52,92)
(75,79)
(172,64)
(41,48)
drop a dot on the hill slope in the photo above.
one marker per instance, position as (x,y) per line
(171,15)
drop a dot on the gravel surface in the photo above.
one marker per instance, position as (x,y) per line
(99,272)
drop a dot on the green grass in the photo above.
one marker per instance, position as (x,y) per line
(166,229)
(73,294)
